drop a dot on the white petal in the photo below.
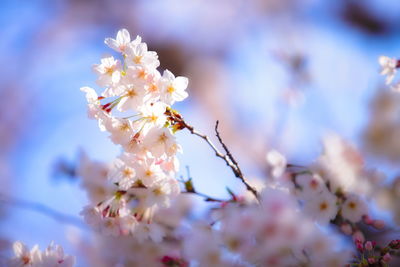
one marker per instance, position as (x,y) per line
(111,43)
(123,36)
(181,82)
(19,249)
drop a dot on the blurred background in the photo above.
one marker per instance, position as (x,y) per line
(277,74)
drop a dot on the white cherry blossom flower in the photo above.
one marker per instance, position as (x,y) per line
(153,114)
(54,256)
(311,185)
(109,71)
(171,164)
(140,75)
(389,68)
(132,97)
(322,207)
(121,130)
(138,55)
(127,223)
(120,43)
(173,89)
(277,163)
(161,192)
(159,141)
(151,231)
(24,257)
(340,164)
(94,109)
(354,208)
(149,172)
(122,174)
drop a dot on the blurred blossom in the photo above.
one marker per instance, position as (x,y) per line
(383,129)
(277,74)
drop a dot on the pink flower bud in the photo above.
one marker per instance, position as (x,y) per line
(360,247)
(395,244)
(358,235)
(378,224)
(371,260)
(368,245)
(387,257)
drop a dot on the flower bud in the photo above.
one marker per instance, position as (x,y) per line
(368,245)
(395,244)
(358,235)
(386,258)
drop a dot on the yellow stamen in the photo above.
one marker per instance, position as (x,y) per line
(153,88)
(170,89)
(131,93)
(352,205)
(109,70)
(124,127)
(127,172)
(162,138)
(137,59)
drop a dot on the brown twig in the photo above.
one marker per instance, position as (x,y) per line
(189,187)
(234,165)
(206,198)
(180,123)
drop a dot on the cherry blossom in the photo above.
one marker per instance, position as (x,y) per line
(389,68)
(53,256)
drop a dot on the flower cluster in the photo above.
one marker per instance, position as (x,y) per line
(334,188)
(274,233)
(134,109)
(142,219)
(389,69)
(126,250)
(373,255)
(53,256)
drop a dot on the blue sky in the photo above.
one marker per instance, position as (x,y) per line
(343,63)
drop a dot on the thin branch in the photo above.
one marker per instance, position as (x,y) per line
(43,209)
(228,153)
(235,166)
(191,190)
(206,198)
(228,158)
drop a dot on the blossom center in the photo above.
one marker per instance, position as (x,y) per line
(26,259)
(131,93)
(142,74)
(127,172)
(170,89)
(153,88)
(352,205)
(124,127)
(162,138)
(109,70)
(323,206)
(137,59)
